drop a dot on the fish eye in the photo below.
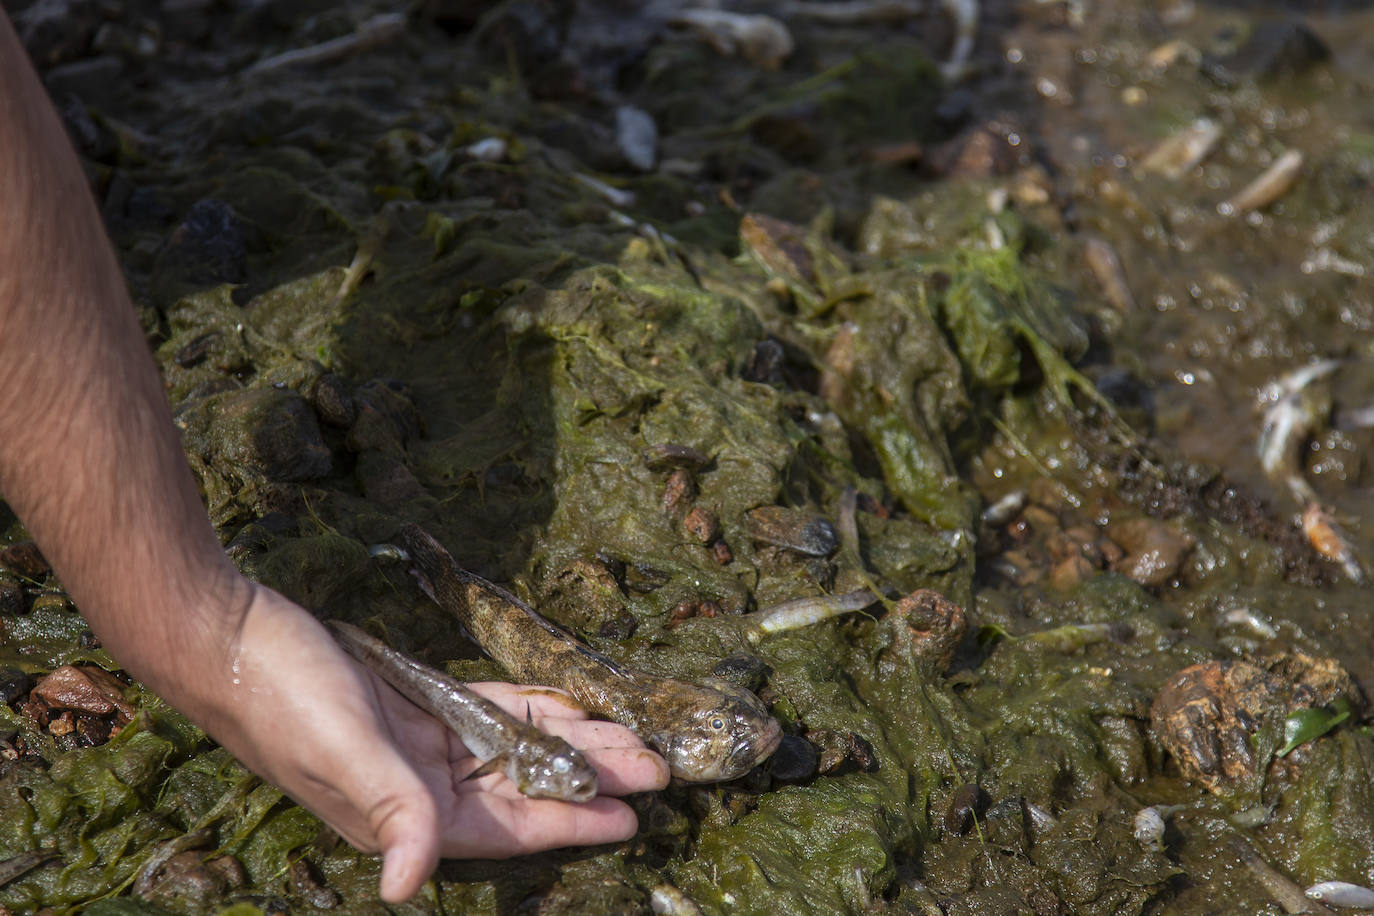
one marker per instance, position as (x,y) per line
(717,723)
(561,764)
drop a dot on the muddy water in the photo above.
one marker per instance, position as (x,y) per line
(835,274)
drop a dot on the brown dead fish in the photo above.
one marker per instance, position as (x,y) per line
(707,731)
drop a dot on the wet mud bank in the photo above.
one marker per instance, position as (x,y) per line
(663,319)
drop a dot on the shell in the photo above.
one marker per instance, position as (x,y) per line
(1149,828)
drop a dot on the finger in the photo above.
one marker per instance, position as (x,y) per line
(517,699)
(622,771)
(588,733)
(490,827)
(619,771)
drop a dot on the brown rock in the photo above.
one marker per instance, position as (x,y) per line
(924,629)
(86,689)
(1069,571)
(792,529)
(724,554)
(1207,715)
(1154,550)
(702,524)
(678,491)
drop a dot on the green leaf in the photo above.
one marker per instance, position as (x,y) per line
(1305,725)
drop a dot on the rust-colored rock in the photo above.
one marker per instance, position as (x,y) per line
(678,491)
(88,690)
(1154,550)
(924,629)
(702,525)
(1207,715)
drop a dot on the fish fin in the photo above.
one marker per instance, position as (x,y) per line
(529,713)
(493,765)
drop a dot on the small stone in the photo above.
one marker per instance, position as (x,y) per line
(724,556)
(13,684)
(925,628)
(678,491)
(702,524)
(963,808)
(1154,551)
(1068,572)
(331,399)
(692,607)
(670,456)
(193,353)
(765,363)
(62,725)
(387,418)
(636,135)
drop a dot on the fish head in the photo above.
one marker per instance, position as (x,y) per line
(727,732)
(549,770)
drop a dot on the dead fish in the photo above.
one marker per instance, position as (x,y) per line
(1005,509)
(801,612)
(1273,183)
(540,765)
(1179,154)
(762,40)
(1106,268)
(1287,894)
(708,731)
(1330,541)
(1342,893)
(1293,413)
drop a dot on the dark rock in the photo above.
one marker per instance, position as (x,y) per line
(667,457)
(765,363)
(86,689)
(25,559)
(387,418)
(208,247)
(270,430)
(193,353)
(1277,48)
(13,684)
(702,525)
(332,401)
(54,31)
(795,760)
(963,808)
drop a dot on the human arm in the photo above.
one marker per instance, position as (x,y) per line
(91,462)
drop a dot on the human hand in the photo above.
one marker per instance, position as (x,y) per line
(387,776)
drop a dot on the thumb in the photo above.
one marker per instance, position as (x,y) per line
(406,825)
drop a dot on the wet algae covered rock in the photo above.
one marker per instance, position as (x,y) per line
(765,370)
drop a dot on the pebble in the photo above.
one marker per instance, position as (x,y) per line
(636,135)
